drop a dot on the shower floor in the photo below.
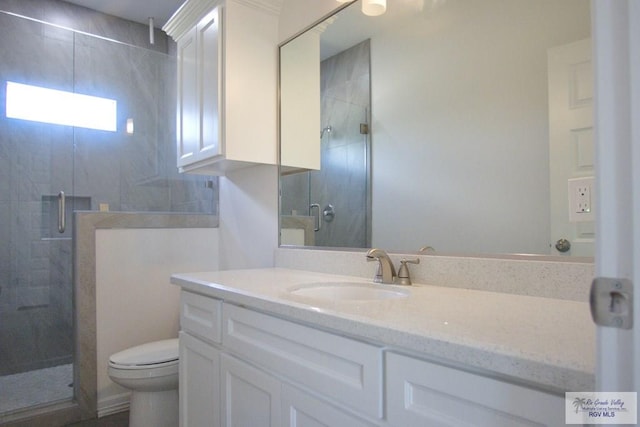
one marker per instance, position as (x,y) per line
(34,339)
(37,387)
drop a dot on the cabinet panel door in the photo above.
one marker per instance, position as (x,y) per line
(250,397)
(201,316)
(300,409)
(421,393)
(209,42)
(199,82)
(199,383)
(188,120)
(346,370)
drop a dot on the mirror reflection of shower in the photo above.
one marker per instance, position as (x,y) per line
(334,202)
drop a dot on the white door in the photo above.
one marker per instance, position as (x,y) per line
(571,148)
(616,38)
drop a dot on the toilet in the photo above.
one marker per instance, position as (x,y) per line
(150,371)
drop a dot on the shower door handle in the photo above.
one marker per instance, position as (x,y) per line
(61,212)
(317,217)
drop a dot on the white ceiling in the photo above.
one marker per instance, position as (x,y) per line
(135,10)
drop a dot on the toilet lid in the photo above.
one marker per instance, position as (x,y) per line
(147,354)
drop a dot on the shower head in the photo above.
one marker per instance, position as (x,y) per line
(326,129)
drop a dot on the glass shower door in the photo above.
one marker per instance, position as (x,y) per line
(340,188)
(36,170)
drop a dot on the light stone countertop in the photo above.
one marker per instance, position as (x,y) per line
(541,342)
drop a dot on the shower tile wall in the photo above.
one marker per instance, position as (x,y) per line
(343,179)
(79,18)
(127,172)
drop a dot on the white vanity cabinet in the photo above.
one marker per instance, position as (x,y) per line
(199,379)
(301,409)
(227,74)
(344,370)
(250,396)
(242,367)
(420,393)
(199,382)
(239,367)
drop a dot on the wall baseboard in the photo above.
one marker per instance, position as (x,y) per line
(113,404)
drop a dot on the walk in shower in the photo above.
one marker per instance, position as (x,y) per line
(337,196)
(47,171)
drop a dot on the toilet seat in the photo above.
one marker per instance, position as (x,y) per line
(152,355)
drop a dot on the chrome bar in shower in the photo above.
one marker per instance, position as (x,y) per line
(61,212)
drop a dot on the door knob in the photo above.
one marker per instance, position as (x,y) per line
(563,245)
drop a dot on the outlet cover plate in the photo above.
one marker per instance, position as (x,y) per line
(581,199)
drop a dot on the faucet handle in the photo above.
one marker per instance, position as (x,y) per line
(403,272)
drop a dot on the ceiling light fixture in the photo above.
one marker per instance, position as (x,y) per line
(371,7)
(374,7)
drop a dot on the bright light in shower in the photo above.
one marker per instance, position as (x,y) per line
(45,105)
(129,127)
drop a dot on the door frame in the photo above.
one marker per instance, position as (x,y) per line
(616,44)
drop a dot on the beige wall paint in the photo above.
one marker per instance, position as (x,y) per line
(135,302)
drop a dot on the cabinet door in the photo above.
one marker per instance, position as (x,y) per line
(201,317)
(345,370)
(210,44)
(198,126)
(421,393)
(188,120)
(199,383)
(250,397)
(300,409)
(300,103)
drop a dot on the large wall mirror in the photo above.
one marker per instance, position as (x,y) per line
(446,126)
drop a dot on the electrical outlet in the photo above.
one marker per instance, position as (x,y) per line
(581,199)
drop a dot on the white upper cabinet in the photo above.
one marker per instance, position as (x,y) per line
(227,84)
(198,115)
(300,103)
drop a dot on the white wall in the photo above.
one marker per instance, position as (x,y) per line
(249,216)
(459,102)
(249,196)
(297,15)
(135,302)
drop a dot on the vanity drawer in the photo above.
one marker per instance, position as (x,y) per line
(344,370)
(201,316)
(421,393)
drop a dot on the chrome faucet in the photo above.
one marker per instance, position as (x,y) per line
(386,272)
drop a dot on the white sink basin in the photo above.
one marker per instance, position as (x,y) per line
(349,291)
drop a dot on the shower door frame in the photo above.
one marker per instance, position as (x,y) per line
(53,232)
